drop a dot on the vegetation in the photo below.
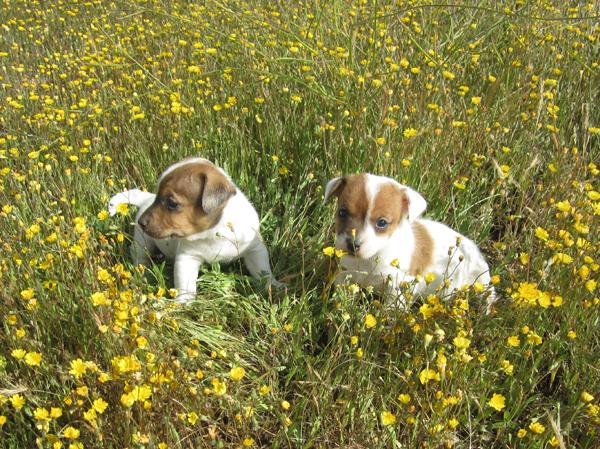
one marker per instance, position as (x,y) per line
(491,111)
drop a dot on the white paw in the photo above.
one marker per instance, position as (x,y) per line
(275,284)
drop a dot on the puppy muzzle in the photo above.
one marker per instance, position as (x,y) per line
(353,245)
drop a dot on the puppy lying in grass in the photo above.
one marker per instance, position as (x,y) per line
(387,245)
(197,216)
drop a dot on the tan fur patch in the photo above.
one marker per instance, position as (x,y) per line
(200,191)
(391,204)
(352,196)
(422,256)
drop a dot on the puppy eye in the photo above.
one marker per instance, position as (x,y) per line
(382,223)
(343,213)
(172,204)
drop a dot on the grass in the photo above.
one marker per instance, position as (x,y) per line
(489,110)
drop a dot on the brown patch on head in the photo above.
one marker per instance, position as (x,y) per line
(422,256)
(390,206)
(190,200)
(353,203)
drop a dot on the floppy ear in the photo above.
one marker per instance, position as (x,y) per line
(216,190)
(416,203)
(334,187)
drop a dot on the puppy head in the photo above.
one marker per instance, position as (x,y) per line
(190,199)
(369,210)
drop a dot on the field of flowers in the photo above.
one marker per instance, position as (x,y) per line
(491,111)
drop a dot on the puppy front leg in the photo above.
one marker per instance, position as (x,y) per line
(186,274)
(256,259)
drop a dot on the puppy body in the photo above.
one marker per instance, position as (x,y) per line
(198,216)
(387,245)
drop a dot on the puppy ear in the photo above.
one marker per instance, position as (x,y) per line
(334,187)
(216,190)
(416,203)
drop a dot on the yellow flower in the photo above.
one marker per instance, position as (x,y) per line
(33,358)
(17,401)
(219,388)
(370,321)
(71,433)
(18,353)
(534,339)
(192,418)
(247,442)
(513,341)
(409,132)
(497,402)
(27,294)
(541,234)
(41,414)
(521,433)
(340,252)
(388,418)
(586,397)
(430,277)
(78,368)
(100,299)
(237,373)
(329,251)
(123,209)
(127,399)
(100,405)
(461,342)
(2,420)
(572,334)
(428,374)
(562,258)
(475,100)
(536,427)
(404,398)
(285,405)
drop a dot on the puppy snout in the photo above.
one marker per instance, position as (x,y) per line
(353,244)
(143,221)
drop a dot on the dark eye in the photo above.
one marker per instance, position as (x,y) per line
(343,213)
(381,224)
(172,204)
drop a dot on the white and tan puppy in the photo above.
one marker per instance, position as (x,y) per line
(198,216)
(387,245)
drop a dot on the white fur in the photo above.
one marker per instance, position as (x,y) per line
(374,263)
(236,235)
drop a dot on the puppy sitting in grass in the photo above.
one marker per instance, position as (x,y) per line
(388,246)
(198,216)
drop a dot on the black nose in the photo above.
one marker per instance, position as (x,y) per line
(143,221)
(353,244)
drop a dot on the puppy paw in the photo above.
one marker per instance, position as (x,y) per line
(276,285)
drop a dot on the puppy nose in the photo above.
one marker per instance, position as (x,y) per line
(143,221)
(353,244)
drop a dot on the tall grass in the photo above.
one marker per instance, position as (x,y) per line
(489,109)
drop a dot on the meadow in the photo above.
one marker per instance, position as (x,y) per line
(491,110)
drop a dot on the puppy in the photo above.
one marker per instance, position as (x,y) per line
(198,216)
(387,245)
